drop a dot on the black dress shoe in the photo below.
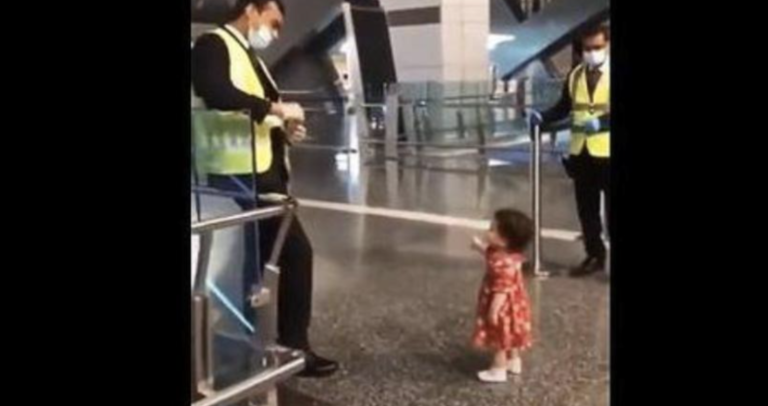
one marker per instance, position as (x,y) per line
(590,266)
(317,366)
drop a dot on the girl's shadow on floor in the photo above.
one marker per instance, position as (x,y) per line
(459,363)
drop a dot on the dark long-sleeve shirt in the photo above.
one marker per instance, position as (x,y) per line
(562,109)
(212,83)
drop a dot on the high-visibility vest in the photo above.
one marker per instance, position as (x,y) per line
(231,152)
(584,108)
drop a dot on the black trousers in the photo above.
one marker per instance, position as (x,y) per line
(591,178)
(294,305)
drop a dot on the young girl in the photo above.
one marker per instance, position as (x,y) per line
(503,312)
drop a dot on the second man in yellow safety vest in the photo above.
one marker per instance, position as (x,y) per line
(586,97)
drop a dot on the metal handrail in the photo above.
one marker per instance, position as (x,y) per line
(206,228)
(203,353)
(301,91)
(237,219)
(251,386)
(455,145)
(441,145)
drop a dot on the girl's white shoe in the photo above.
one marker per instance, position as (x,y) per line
(493,375)
(515,366)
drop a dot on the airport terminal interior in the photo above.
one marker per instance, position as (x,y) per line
(415,136)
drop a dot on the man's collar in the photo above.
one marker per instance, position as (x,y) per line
(606,66)
(238,35)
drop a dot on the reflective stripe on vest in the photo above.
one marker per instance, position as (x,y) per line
(585,108)
(602,108)
(232,153)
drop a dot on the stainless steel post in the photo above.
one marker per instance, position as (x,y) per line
(271,280)
(481,136)
(460,123)
(606,234)
(201,313)
(536,201)
(391,121)
(201,337)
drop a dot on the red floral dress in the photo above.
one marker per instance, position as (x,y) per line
(503,275)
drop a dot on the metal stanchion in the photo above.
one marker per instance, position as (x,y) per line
(202,334)
(391,121)
(536,201)
(606,232)
(481,136)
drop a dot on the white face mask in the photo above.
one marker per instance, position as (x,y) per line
(261,38)
(595,58)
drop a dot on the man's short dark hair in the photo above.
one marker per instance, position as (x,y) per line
(240,6)
(597,30)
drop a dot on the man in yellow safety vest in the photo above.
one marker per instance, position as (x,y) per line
(228,75)
(586,97)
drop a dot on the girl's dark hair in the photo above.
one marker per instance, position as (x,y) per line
(240,6)
(515,227)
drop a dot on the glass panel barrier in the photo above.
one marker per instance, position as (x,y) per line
(232,365)
(231,265)
(453,113)
(434,117)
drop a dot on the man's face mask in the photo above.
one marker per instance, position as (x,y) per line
(595,58)
(260,38)
(595,51)
(261,33)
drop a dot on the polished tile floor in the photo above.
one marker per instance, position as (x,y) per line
(394,299)
(459,186)
(394,302)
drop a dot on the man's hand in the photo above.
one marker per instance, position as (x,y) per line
(295,131)
(293,112)
(592,125)
(288,111)
(277,109)
(494,312)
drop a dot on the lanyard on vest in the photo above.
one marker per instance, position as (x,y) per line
(267,74)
